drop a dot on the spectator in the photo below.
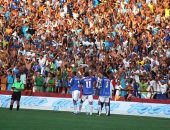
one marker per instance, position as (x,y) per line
(168,90)
(29,85)
(23,77)
(118,88)
(129,90)
(143,87)
(39,82)
(136,89)
(163,87)
(3,79)
(50,85)
(10,80)
(58,80)
(65,79)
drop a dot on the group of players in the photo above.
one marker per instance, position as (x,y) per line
(88,82)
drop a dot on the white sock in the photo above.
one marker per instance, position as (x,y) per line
(91,109)
(107,110)
(100,109)
(75,108)
(80,107)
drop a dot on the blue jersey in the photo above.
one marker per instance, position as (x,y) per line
(74,83)
(105,87)
(87,83)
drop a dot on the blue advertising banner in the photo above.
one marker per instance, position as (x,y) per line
(65,104)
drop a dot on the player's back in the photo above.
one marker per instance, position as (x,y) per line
(75,83)
(105,87)
(87,83)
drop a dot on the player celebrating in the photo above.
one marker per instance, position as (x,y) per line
(104,95)
(75,89)
(87,85)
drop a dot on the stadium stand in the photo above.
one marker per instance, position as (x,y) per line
(44,41)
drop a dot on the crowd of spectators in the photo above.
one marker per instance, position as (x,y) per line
(44,41)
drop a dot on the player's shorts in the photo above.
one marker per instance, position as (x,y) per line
(16,96)
(104,99)
(76,95)
(89,97)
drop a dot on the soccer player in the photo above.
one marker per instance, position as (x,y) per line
(104,95)
(17,87)
(88,91)
(111,91)
(75,89)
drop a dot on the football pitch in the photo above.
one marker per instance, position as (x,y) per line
(54,120)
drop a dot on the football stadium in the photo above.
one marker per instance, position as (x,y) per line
(84,64)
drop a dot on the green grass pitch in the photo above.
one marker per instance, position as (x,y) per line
(54,120)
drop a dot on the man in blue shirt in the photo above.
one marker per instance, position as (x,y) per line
(104,95)
(10,79)
(88,90)
(74,85)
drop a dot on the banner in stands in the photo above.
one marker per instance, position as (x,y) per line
(65,104)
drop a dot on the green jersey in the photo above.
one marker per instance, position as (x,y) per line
(39,81)
(51,81)
(18,85)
